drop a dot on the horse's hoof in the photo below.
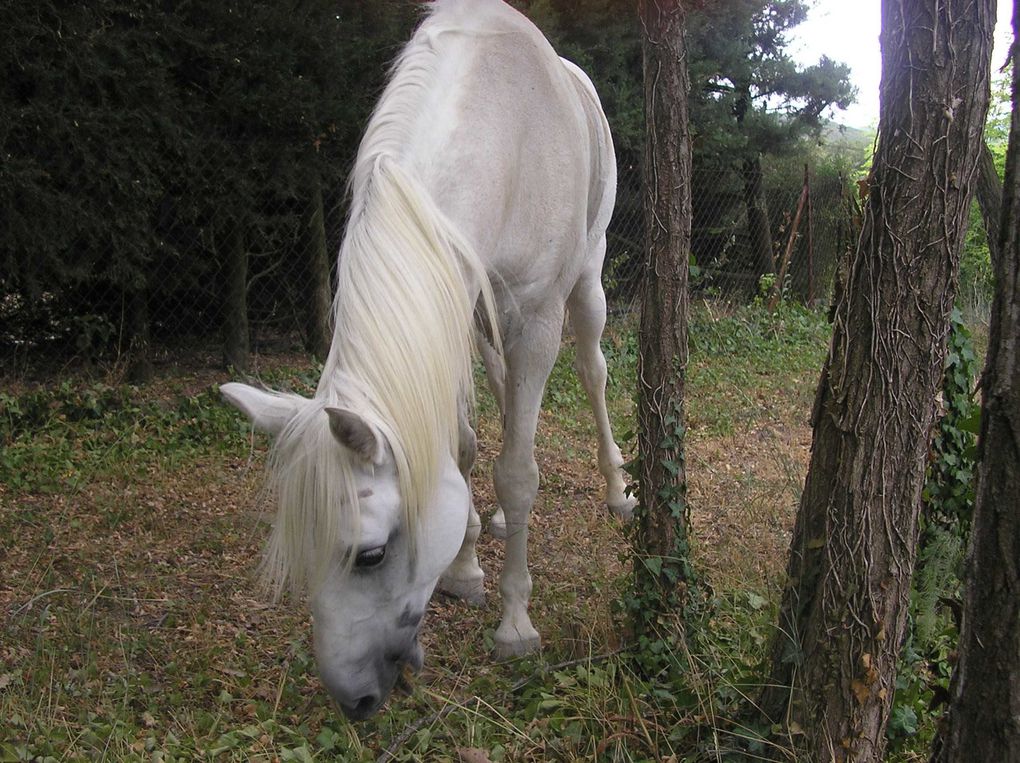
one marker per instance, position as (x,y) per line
(471,590)
(623,510)
(519,647)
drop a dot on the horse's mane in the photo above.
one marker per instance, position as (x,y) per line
(402,346)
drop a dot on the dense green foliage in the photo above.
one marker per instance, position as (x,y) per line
(750,97)
(137,138)
(135,133)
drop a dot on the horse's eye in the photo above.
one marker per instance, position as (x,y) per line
(370,557)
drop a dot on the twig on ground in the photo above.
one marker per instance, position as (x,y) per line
(390,753)
(28,604)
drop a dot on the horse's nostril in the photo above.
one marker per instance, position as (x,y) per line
(363,708)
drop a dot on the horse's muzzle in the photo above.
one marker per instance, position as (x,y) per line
(369,698)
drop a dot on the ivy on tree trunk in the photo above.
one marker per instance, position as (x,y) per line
(662,572)
(844,609)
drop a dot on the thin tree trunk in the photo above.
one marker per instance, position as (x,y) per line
(844,610)
(989,197)
(984,717)
(140,369)
(810,240)
(759,227)
(234,256)
(661,567)
(315,268)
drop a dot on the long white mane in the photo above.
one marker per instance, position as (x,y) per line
(401,355)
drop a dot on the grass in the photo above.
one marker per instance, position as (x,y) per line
(131,525)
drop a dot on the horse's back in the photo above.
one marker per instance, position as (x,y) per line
(521,158)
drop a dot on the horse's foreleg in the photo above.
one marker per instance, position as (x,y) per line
(464,577)
(587,308)
(530,357)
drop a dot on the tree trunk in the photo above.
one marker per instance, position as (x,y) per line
(984,717)
(139,369)
(662,570)
(234,255)
(989,197)
(852,556)
(315,273)
(759,228)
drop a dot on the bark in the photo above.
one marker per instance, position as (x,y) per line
(140,369)
(315,273)
(235,295)
(662,362)
(989,197)
(984,717)
(759,229)
(844,609)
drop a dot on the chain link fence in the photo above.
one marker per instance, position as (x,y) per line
(769,237)
(227,279)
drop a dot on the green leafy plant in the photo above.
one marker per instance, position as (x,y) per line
(922,685)
(949,490)
(53,438)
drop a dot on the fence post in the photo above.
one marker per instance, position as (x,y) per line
(781,276)
(810,239)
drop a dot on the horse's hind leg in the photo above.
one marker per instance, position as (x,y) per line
(587,310)
(495,370)
(530,356)
(495,374)
(464,577)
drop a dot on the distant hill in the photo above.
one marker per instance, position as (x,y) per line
(837,135)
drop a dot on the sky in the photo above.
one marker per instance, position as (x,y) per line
(847,31)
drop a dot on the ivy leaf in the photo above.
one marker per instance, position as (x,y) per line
(971,423)
(654,565)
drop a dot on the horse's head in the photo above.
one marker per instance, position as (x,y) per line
(342,529)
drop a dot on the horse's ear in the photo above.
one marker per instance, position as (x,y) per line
(268,412)
(355,433)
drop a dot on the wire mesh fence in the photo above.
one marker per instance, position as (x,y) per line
(761,237)
(249,269)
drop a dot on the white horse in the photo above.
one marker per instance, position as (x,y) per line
(480,199)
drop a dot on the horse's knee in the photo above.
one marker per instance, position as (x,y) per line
(516,483)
